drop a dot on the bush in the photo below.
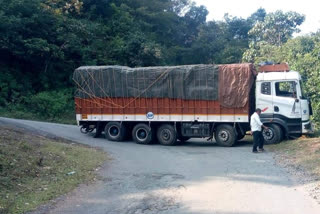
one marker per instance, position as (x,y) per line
(52,104)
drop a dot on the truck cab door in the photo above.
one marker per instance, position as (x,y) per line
(264,96)
(285,100)
(306,110)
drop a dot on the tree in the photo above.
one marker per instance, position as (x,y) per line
(193,19)
(302,54)
(257,16)
(43,41)
(277,27)
(208,45)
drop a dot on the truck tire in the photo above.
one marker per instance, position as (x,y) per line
(167,135)
(115,131)
(273,135)
(225,135)
(142,134)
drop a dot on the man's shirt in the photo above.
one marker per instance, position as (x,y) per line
(255,122)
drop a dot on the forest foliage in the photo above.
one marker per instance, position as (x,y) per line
(43,41)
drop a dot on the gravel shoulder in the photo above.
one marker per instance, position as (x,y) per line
(301,158)
(197,177)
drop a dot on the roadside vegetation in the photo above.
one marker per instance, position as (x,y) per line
(36,169)
(53,106)
(302,154)
(43,41)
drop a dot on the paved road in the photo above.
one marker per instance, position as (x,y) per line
(197,177)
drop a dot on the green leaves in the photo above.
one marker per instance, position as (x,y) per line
(51,104)
(43,41)
(277,27)
(302,54)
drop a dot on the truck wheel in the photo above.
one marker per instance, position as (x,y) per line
(167,135)
(225,135)
(273,135)
(142,134)
(115,131)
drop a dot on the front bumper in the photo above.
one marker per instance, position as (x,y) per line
(307,127)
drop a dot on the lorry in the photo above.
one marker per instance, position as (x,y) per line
(171,104)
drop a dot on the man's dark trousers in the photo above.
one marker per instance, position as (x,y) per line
(257,140)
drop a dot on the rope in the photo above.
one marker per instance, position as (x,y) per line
(93,98)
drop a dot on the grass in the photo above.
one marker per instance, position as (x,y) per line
(303,152)
(34,169)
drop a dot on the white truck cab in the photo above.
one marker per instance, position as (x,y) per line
(280,96)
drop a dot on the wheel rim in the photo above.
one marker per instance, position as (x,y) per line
(268,134)
(223,135)
(114,131)
(166,135)
(83,130)
(141,134)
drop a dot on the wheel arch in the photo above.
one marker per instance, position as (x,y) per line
(281,123)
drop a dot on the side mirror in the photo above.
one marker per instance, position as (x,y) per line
(310,107)
(296,100)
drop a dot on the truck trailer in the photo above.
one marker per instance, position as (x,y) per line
(171,104)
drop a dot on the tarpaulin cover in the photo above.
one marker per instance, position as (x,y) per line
(185,82)
(235,83)
(230,84)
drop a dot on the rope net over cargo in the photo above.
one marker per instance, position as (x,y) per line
(100,84)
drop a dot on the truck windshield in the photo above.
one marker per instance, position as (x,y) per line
(286,89)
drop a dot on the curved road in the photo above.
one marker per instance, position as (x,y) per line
(198,177)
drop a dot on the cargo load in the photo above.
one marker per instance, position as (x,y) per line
(228,84)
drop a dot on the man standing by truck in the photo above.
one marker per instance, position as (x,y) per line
(256,130)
